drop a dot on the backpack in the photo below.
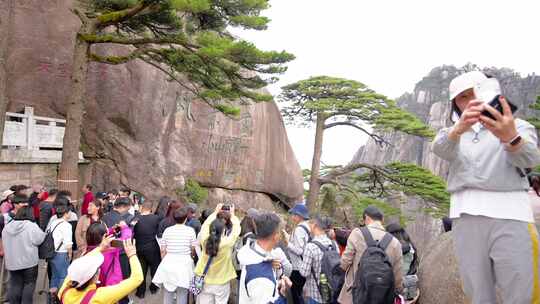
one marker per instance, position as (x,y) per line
(240,242)
(307,231)
(374,282)
(334,276)
(46,250)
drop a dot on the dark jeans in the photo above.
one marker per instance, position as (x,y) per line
(150,259)
(297,289)
(21,285)
(126,272)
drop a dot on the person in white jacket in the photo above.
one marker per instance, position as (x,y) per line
(262,280)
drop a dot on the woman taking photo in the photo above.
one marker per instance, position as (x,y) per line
(177,247)
(83,275)
(495,239)
(95,213)
(110,271)
(218,244)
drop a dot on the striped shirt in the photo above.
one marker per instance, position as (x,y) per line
(298,240)
(178,239)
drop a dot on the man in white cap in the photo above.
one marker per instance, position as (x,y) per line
(495,238)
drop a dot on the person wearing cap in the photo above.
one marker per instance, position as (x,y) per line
(80,284)
(297,242)
(5,203)
(310,267)
(21,238)
(357,245)
(19,201)
(495,238)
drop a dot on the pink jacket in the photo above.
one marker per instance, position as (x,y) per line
(6,207)
(110,271)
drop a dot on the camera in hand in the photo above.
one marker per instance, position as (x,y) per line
(489,91)
(117,231)
(226,207)
(496,104)
(117,244)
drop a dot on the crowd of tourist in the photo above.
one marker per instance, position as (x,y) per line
(113,244)
(109,247)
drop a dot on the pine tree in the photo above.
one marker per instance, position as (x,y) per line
(188,40)
(329,102)
(534,120)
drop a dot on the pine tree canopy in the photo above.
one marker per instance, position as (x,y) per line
(347,103)
(535,121)
(189,40)
(380,182)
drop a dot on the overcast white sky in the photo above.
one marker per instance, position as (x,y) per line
(391,45)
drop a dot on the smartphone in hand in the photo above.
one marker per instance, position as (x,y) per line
(117,244)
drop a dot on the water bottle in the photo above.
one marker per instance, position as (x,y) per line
(324,286)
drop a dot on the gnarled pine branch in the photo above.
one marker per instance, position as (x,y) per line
(379,140)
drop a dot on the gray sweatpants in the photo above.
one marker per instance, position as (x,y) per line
(495,252)
(180,296)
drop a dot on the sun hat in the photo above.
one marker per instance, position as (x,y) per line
(85,268)
(6,193)
(464,82)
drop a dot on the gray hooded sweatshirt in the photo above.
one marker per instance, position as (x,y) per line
(21,240)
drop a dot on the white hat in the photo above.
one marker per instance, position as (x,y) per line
(464,82)
(85,268)
(6,193)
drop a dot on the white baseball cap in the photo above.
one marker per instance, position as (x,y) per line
(464,82)
(85,268)
(6,193)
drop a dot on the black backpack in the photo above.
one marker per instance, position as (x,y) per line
(46,250)
(335,276)
(374,282)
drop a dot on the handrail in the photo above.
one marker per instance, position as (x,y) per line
(32,133)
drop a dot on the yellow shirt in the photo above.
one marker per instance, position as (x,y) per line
(109,294)
(221,270)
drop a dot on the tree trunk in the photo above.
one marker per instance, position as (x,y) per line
(4,44)
(68,175)
(314,185)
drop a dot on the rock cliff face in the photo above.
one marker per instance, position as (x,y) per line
(140,130)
